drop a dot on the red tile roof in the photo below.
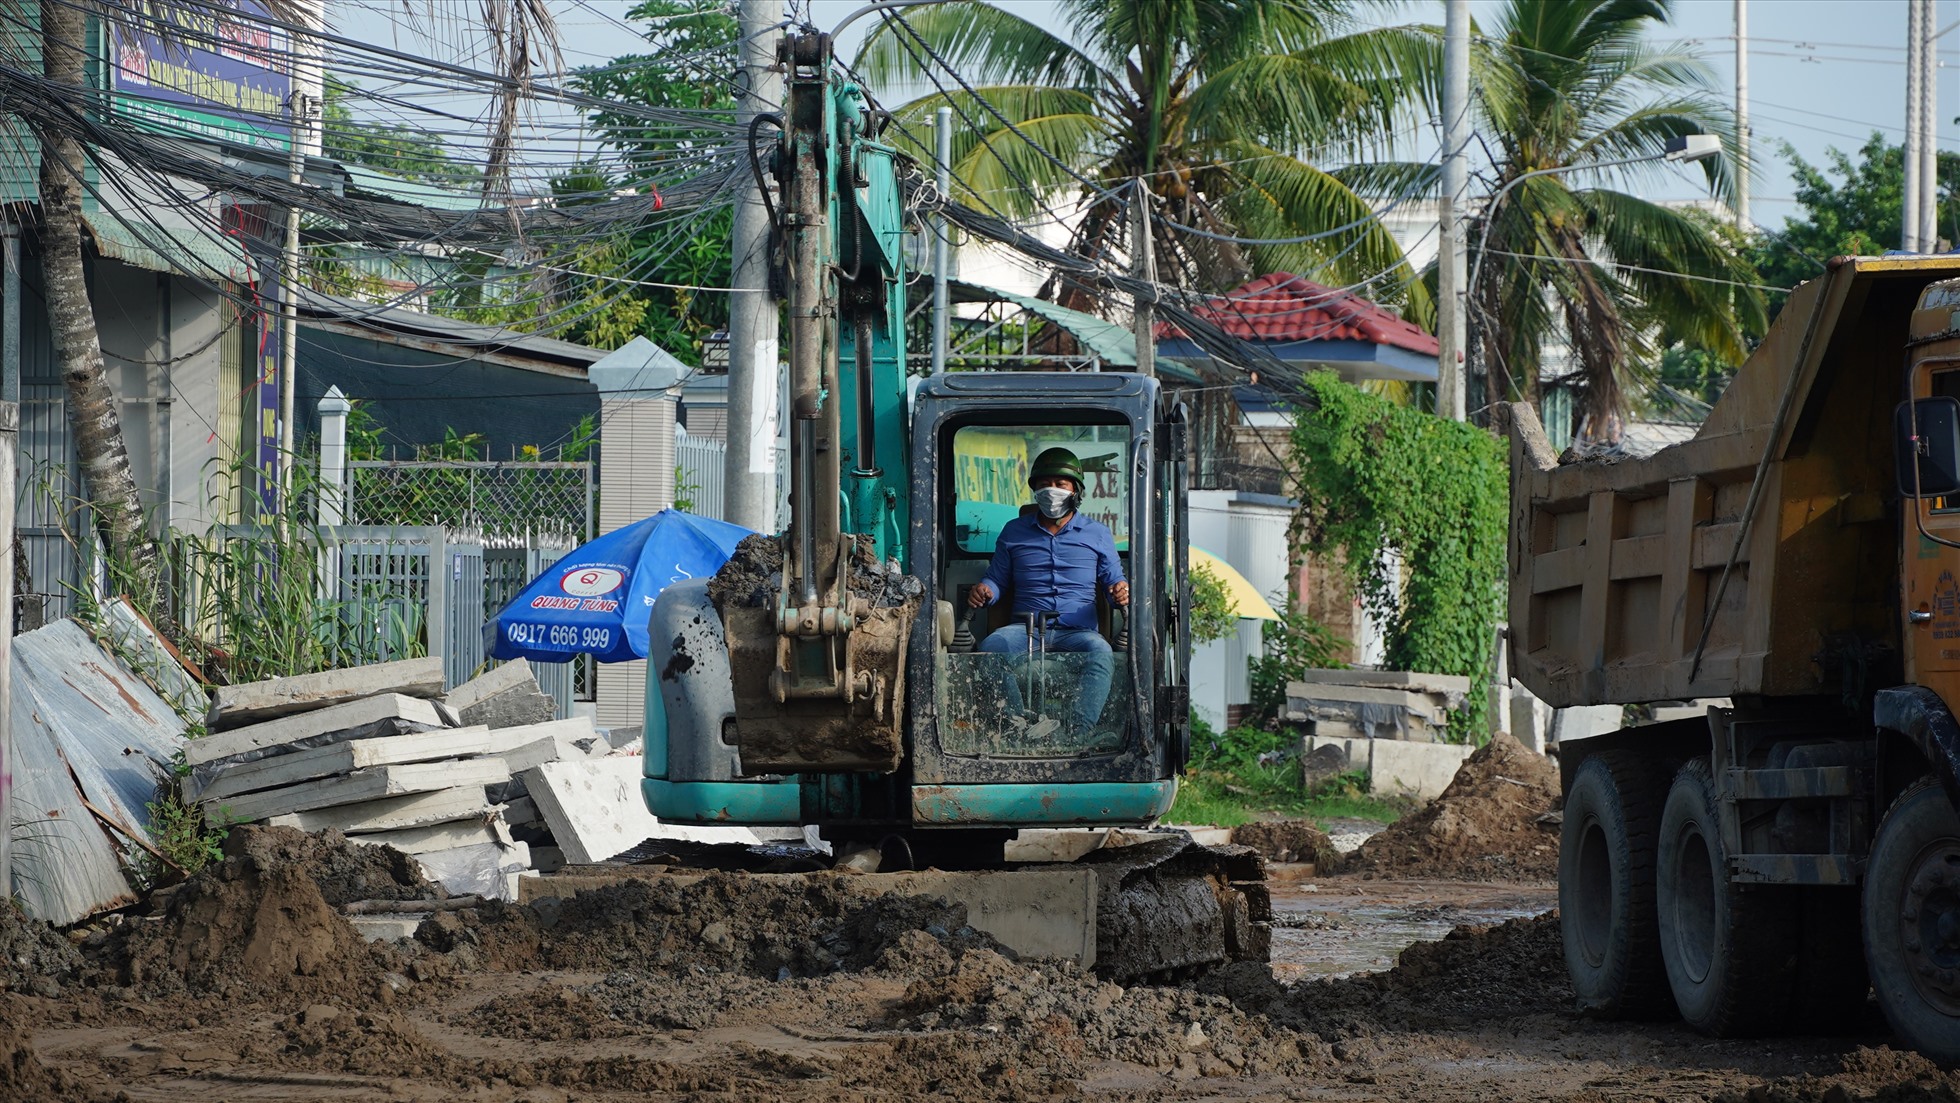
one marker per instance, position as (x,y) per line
(1284,307)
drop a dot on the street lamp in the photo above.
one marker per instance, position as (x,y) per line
(1682,149)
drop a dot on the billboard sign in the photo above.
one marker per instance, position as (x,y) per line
(219,71)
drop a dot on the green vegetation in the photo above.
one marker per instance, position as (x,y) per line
(1247,773)
(1204,101)
(1294,643)
(186,843)
(1571,260)
(1212,615)
(1378,478)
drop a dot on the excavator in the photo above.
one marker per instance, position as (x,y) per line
(823,678)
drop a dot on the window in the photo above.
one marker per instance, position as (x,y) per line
(990,476)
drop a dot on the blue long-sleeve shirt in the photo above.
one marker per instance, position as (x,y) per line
(1055,573)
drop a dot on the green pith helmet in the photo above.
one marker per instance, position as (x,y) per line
(1057,461)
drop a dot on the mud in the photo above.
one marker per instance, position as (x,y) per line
(1286,841)
(260,923)
(725,923)
(1493,823)
(721,986)
(34,957)
(753,575)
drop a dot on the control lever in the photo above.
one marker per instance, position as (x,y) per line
(1123,629)
(962,640)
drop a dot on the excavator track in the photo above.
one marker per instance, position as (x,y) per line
(1171,908)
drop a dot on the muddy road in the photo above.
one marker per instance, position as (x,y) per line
(247,986)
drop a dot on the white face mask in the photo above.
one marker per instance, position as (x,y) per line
(1054,502)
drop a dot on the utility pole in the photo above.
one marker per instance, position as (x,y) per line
(1453,296)
(942,130)
(1742,152)
(1929,128)
(303,104)
(9,461)
(1143,265)
(1916,31)
(750,473)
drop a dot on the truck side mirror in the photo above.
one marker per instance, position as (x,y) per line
(1928,458)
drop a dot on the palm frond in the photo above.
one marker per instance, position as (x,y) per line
(987,44)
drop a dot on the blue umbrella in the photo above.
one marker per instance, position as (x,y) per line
(596,599)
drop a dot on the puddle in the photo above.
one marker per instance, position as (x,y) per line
(1323,933)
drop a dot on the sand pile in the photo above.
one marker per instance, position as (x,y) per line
(261,921)
(1489,825)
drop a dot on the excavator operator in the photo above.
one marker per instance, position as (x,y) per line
(1058,560)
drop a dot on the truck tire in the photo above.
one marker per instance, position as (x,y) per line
(1833,989)
(1606,887)
(1912,920)
(1730,949)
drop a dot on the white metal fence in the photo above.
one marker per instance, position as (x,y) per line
(700,484)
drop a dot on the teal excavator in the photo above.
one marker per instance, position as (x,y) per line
(822,678)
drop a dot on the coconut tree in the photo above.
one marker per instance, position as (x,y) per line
(1227,110)
(1569,256)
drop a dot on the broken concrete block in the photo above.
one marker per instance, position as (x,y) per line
(236,706)
(387,927)
(465,802)
(505,696)
(441,836)
(334,759)
(595,810)
(362,785)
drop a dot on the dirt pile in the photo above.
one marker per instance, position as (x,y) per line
(344,871)
(1866,1076)
(1473,976)
(34,957)
(718,922)
(332,1039)
(1063,1014)
(1286,840)
(259,923)
(754,573)
(1489,825)
(565,1016)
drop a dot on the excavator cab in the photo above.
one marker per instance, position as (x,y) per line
(971,761)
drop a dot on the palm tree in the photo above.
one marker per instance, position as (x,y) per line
(1222,107)
(1571,83)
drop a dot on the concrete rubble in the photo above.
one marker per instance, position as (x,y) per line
(1375,704)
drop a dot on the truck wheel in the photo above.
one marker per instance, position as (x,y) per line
(1832,985)
(1606,887)
(1912,920)
(1730,949)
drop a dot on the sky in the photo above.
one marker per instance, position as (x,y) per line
(1823,73)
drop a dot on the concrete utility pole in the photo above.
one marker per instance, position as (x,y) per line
(749,485)
(1453,296)
(1929,128)
(1742,151)
(303,107)
(9,440)
(1916,32)
(942,130)
(1143,265)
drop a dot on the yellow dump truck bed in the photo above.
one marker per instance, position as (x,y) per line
(1787,488)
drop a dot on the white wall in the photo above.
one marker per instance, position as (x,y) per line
(1249,532)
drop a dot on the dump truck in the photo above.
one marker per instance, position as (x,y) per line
(1767,866)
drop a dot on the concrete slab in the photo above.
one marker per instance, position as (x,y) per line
(1400,766)
(440,836)
(1455,684)
(362,785)
(1205,835)
(594,809)
(386,927)
(1044,913)
(465,802)
(1586,721)
(505,696)
(367,718)
(335,759)
(1417,701)
(252,702)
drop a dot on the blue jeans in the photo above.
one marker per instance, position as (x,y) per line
(1012,640)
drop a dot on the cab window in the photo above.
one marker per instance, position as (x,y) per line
(990,476)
